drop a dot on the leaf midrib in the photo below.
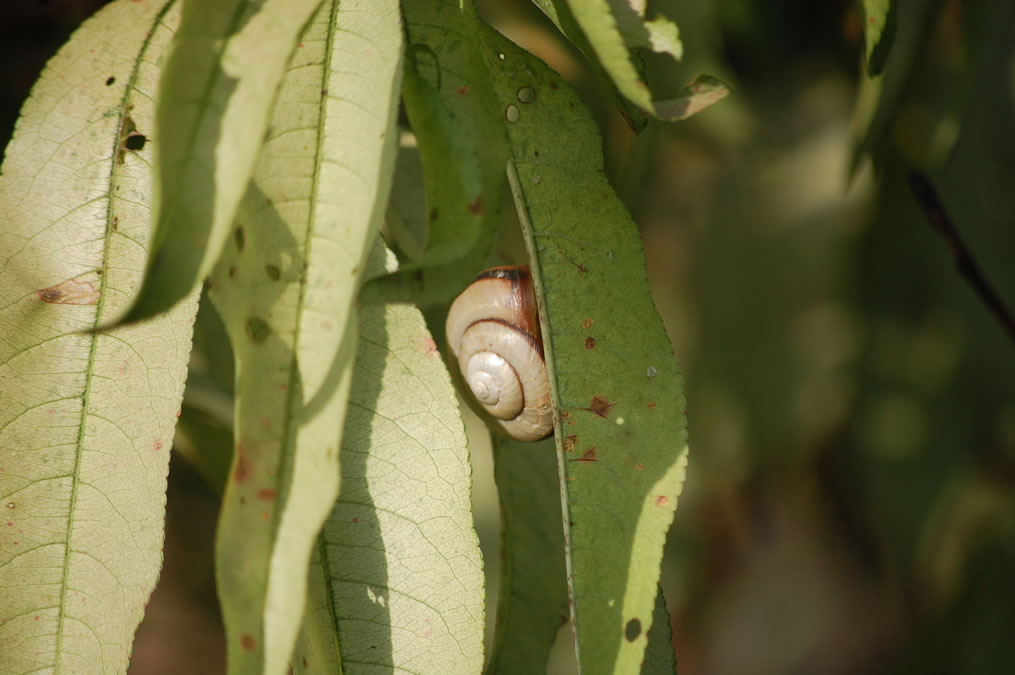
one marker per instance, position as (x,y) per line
(75,473)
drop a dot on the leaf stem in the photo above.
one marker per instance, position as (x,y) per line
(926,196)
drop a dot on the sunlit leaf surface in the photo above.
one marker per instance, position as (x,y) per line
(86,419)
(285,288)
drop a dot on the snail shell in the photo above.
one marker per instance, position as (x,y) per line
(493,332)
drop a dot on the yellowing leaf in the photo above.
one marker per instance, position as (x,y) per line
(214,103)
(399,553)
(86,418)
(285,288)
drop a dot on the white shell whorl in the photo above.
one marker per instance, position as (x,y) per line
(493,332)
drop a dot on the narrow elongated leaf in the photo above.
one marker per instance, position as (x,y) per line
(618,398)
(285,287)
(533,586)
(611,29)
(462,144)
(879,99)
(878,33)
(559,13)
(399,552)
(214,103)
(86,418)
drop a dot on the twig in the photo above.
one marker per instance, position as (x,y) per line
(927,197)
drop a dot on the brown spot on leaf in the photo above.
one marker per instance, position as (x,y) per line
(248,642)
(355,520)
(590,342)
(266,494)
(476,206)
(157,445)
(599,405)
(127,129)
(464,90)
(587,323)
(240,237)
(273,272)
(429,347)
(569,443)
(652,405)
(242,470)
(632,630)
(70,292)
(589,455)
(662,500)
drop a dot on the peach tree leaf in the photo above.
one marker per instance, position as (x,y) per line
(399,558)
(462,145)
(878,33)
(86,417)
(285,288)
(609,31)
(618,397)
(533,582)
(214,102)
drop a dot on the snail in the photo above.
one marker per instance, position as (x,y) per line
(493,332)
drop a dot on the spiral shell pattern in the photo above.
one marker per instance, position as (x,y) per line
(493,331)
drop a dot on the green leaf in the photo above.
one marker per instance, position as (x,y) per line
(880,99)
(285,287)
(533,585)
(612,28)
(618,399)
(559,13)
(659,656)
(404,221)
(878,32)
(214,102)
(86,418)
(399,552)
(205,443)
(462,145)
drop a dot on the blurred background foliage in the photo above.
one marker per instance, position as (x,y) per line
(850,506)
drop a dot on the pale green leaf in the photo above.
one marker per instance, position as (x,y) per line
(559,13)
(704,91)
(612,28)
(399,551)
(617,394)
(458,127)
(878,33)
(533,584)
(285,287)
(214,103)
(86,418)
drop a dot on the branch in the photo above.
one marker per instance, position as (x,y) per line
(927,197)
